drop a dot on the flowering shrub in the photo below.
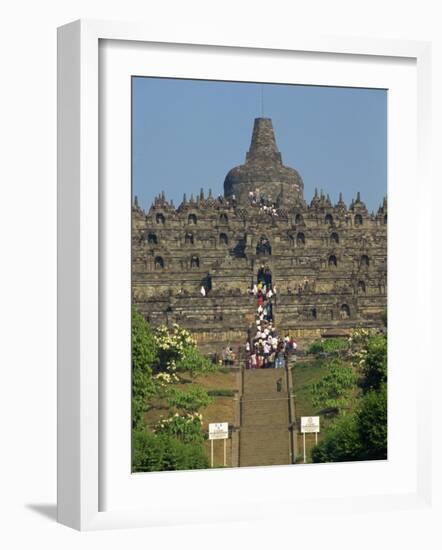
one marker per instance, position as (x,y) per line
(186,427)
(173,344)
(160,360)
(360,336)
(178,352)
(164,379)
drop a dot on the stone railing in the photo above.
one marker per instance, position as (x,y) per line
(292,415)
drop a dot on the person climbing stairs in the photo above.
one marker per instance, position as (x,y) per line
(266,406)
(265,437)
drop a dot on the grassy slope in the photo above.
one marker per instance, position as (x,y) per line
(221,410)
(306,372)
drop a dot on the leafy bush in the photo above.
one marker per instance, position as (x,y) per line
(316,347)
(341,444)
(222,393)
(362,434)
(374,363)
(159,360)
(334,390)
(193,362)
(189,400)
(358,436)
(329,345)
(186,427)
(178,352)
(153,453)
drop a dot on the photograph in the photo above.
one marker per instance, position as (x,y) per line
(258,274)
(221,315)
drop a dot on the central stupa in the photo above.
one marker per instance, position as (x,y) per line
(263,171)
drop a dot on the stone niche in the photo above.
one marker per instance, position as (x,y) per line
(328,261)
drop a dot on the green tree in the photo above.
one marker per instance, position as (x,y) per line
(358,436)
(335,390)
(178,352)
(189,400)
(144,358)
(374,363)
(373,424)
(342,442)
(194,363)
(362,434)
(161,360)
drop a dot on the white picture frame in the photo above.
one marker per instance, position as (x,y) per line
(80,394)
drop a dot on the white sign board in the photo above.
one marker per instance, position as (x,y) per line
(219,430)
(309,424)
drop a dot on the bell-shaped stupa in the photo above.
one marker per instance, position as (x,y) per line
(263,172)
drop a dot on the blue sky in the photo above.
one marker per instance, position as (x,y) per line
(187,134)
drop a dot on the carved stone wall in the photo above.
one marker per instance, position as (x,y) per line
(329,262)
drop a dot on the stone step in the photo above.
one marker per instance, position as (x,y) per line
(265,413)
(264,396)
(266,381)
(264,436)
(264,446)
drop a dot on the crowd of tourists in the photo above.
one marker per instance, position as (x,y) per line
(228,356)
(266,348)
(265,203)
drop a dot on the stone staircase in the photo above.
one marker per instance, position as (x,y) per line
(264,437)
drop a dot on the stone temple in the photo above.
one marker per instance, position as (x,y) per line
(328,261)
